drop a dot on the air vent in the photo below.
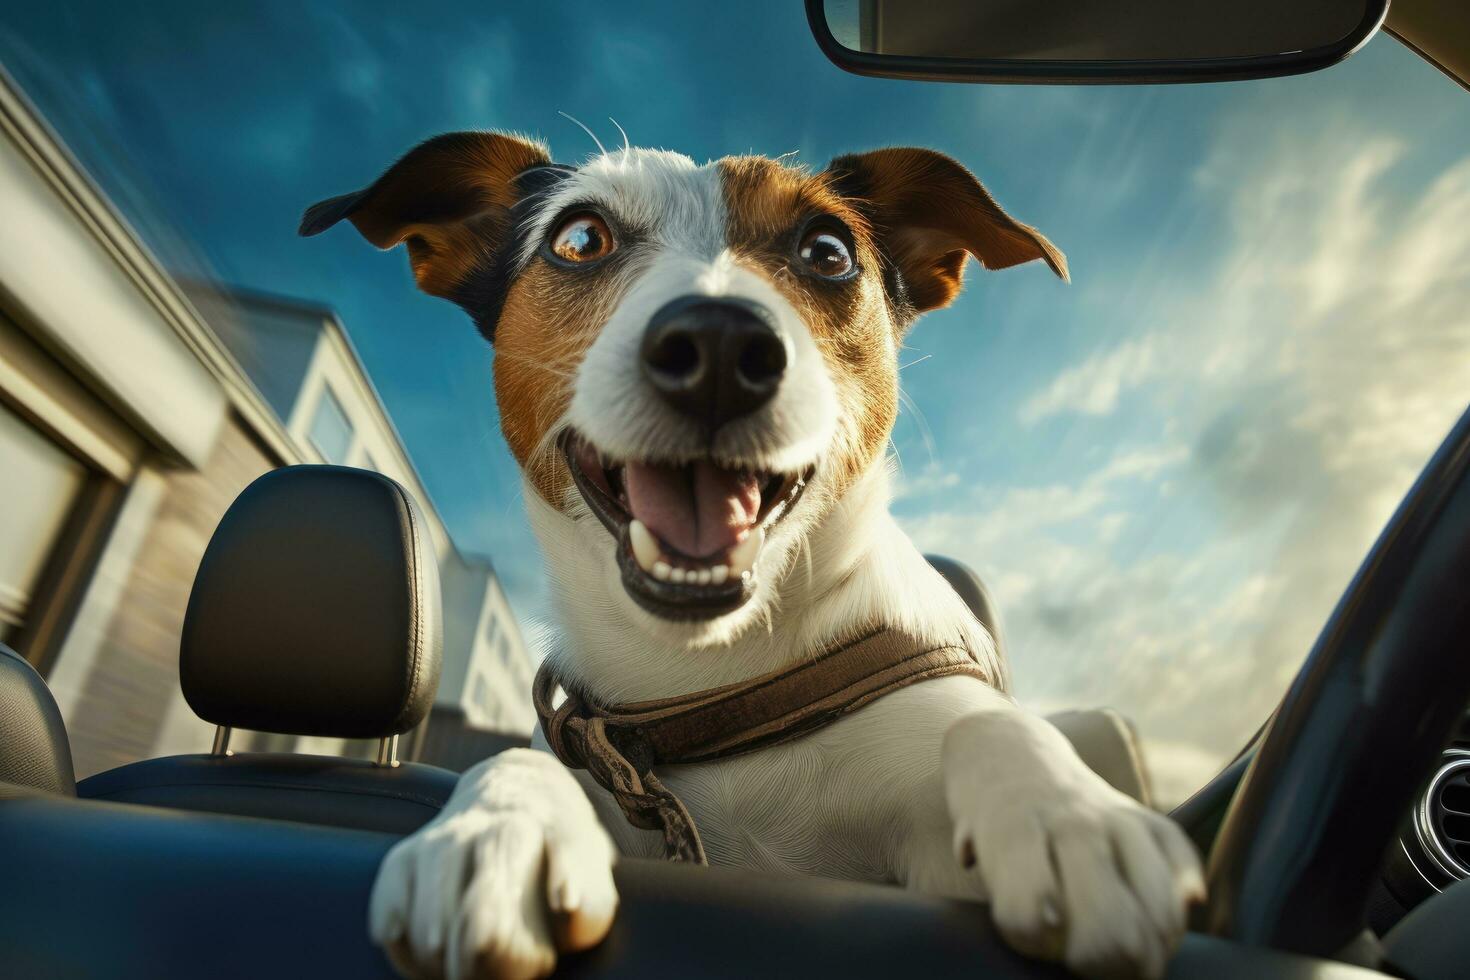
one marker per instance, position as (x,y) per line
(1442,822)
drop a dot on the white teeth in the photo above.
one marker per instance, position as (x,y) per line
(645,545)
(743,555)
(646,551)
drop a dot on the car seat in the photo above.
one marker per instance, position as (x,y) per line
(34,751)
(1104,738)
(315,611)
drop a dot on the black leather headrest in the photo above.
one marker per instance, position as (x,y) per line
(316,609)
(34,750)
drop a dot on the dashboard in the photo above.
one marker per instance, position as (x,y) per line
(1431,851)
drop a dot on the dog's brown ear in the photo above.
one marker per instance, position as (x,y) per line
(928,213)
(449,199)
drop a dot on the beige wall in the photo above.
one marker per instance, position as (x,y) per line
(60,273)
(132,689)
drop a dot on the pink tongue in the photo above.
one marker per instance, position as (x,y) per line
(698,509)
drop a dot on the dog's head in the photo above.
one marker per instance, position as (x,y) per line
(693,363)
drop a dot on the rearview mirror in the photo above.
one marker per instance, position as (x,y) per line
(1098,41)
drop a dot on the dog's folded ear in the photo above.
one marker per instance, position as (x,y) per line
(929,213)
(449,199)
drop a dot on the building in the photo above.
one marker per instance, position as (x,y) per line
(478,620)
(133,409)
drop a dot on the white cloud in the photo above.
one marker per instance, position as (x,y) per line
(1300,387)
(931,479)
(1093,387)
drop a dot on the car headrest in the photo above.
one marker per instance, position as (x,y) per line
(1104,739)
(316,609)
(972,590)
(34,750)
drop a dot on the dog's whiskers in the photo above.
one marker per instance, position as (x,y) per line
(549,367)
(626,145)
(811,571)
(600,148)
(925,433)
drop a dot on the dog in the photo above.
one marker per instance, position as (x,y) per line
(714,349)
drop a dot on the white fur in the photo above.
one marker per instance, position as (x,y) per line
(903,791)
(823,583)
(656,193)
(514,866)
(615,409)
(675,212)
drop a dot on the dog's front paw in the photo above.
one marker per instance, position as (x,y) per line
(501,881)
(1075,870)
(1095,880)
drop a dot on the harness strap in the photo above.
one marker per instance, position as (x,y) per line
(620,745)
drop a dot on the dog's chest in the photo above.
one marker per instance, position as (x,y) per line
(847,801)
(795,808)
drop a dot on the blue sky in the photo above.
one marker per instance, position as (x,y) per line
(1168,470)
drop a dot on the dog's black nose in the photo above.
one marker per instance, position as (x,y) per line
(714,359)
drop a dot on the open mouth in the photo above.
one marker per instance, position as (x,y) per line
(688,535)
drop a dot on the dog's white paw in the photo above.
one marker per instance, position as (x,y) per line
(512,872)
(1103,885)
(1075,870)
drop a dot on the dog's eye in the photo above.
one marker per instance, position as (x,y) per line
(582,238)
(825,254)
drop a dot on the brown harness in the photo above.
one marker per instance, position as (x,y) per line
(620,745)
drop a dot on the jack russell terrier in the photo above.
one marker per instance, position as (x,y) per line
(696,369)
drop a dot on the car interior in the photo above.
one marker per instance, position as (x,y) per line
(1337,841)
(309,550)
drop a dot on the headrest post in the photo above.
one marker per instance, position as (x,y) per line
(388,751)
(221,741)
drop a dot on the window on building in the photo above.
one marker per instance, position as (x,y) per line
(41,486)
(330,433)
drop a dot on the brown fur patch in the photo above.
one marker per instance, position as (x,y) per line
(449,199)
(768,206)
(928,212)
(551,317)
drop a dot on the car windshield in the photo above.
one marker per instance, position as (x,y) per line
(1166,471)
